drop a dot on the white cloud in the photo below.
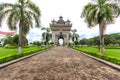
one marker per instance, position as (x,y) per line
(68,9)
(34,35)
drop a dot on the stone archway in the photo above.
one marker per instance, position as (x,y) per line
(60,29)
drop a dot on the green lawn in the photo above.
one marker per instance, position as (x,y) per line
(109,52)
(6,52)
(113,52)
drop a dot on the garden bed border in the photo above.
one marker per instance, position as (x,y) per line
(115,66)
(20,59)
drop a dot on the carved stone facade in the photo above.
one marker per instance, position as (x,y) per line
(60,30)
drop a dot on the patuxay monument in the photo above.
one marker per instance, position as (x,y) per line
(60,30)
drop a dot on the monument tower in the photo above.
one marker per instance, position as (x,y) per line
(60,30)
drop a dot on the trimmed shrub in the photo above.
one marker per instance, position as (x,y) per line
(104,57)
(10,47)
(16,56)
(112,47)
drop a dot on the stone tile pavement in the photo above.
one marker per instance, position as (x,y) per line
(59,63)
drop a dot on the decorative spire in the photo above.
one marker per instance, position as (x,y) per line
(68,20)
(61,18)
(53,20)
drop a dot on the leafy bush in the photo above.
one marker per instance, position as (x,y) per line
(8,40)
(8,58)
(10,47)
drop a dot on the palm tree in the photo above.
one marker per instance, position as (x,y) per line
(46,35)
(22,14)
(102,12)
(74,36)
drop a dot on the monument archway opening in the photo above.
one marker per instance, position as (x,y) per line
(61,41)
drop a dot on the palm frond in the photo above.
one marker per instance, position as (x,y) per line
(23,10)
(44,35)
(28,17)
(3,15)
(5,6)
(115,9)
(36,18)
(94,12)
(34,8)
(11,22)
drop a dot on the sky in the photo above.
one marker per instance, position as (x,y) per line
(69,9)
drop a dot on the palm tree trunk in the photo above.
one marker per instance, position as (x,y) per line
(102,27)
(20,38)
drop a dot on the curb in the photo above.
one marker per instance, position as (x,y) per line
(20,59)
(115,66)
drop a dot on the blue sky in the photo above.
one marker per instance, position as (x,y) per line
(69,9)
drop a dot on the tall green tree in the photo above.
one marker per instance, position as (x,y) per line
(46,36)
(22,13)
(74,36)
(101,12)
(83,41)
(15,40)
(8,40)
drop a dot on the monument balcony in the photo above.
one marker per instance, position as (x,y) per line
(61,28)
(58,35)
(60,25)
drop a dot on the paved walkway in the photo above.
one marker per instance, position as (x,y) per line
(59,63)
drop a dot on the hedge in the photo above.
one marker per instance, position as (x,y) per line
(102,56)
(112,47)
(16,56)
